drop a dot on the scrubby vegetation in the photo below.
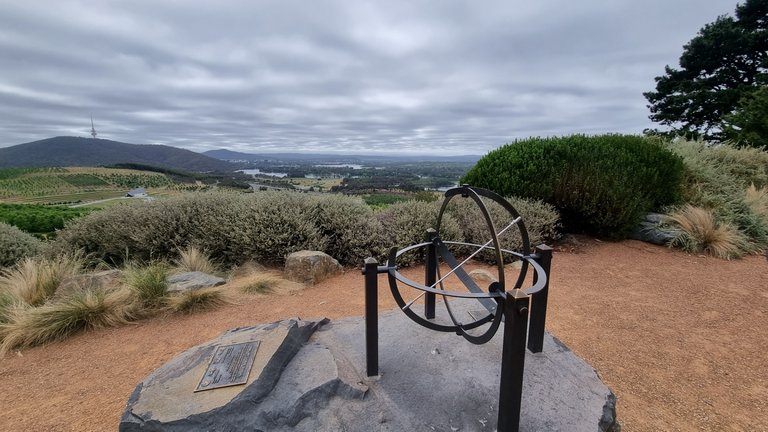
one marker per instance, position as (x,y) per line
(16,245)
(264,227)
(727,182)
(600,184)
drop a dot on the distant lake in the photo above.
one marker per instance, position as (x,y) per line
(253,172)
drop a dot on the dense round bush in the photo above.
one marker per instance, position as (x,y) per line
(600,184)
(15,244)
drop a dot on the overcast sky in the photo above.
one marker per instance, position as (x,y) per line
(454,77)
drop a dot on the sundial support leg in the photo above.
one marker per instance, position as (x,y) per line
(539,300)
(430,274)
(512,360)
(371,273)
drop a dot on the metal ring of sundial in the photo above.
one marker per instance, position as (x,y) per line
(496,290)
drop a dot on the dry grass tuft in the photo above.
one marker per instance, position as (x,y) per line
(90,309)
(263,282)
(699,232)
(262,286)
(194,259)
(194,301)
(34,281)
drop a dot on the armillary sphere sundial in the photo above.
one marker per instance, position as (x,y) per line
(505,299)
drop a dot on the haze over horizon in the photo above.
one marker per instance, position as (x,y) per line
(330,76)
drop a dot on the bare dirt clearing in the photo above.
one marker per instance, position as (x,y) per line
(679,338)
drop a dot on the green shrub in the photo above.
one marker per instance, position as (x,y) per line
(406,223)
(600,184)
(348,227)
(15,245)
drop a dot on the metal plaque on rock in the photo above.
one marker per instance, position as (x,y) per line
(229,366)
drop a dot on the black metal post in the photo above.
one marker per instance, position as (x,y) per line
(430,274)
(512,361)
(539,301)
(371,316)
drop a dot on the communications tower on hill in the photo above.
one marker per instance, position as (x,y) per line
(93,130)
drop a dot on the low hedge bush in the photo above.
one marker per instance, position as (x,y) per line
(265,227)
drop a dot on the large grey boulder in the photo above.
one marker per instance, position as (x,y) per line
(311,267)
(279,391)
(307,380)
(190,281)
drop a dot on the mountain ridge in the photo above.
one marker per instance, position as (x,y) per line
(80,151)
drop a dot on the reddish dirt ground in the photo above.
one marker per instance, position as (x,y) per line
(679,338)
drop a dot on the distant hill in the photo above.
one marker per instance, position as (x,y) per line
(229,155)
(77,151)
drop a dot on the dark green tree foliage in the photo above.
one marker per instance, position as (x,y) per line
(727,60)
(39,220)
(600,184)
(748,126)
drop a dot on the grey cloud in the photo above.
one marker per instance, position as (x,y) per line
(404,76)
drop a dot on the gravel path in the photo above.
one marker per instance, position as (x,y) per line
(679,338)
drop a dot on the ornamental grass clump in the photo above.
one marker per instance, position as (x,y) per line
(35,280)
(264,285)
(7,302)
(148,283)
(193,301)
(193,259)
(90,309)
(757,200)
(698,231)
